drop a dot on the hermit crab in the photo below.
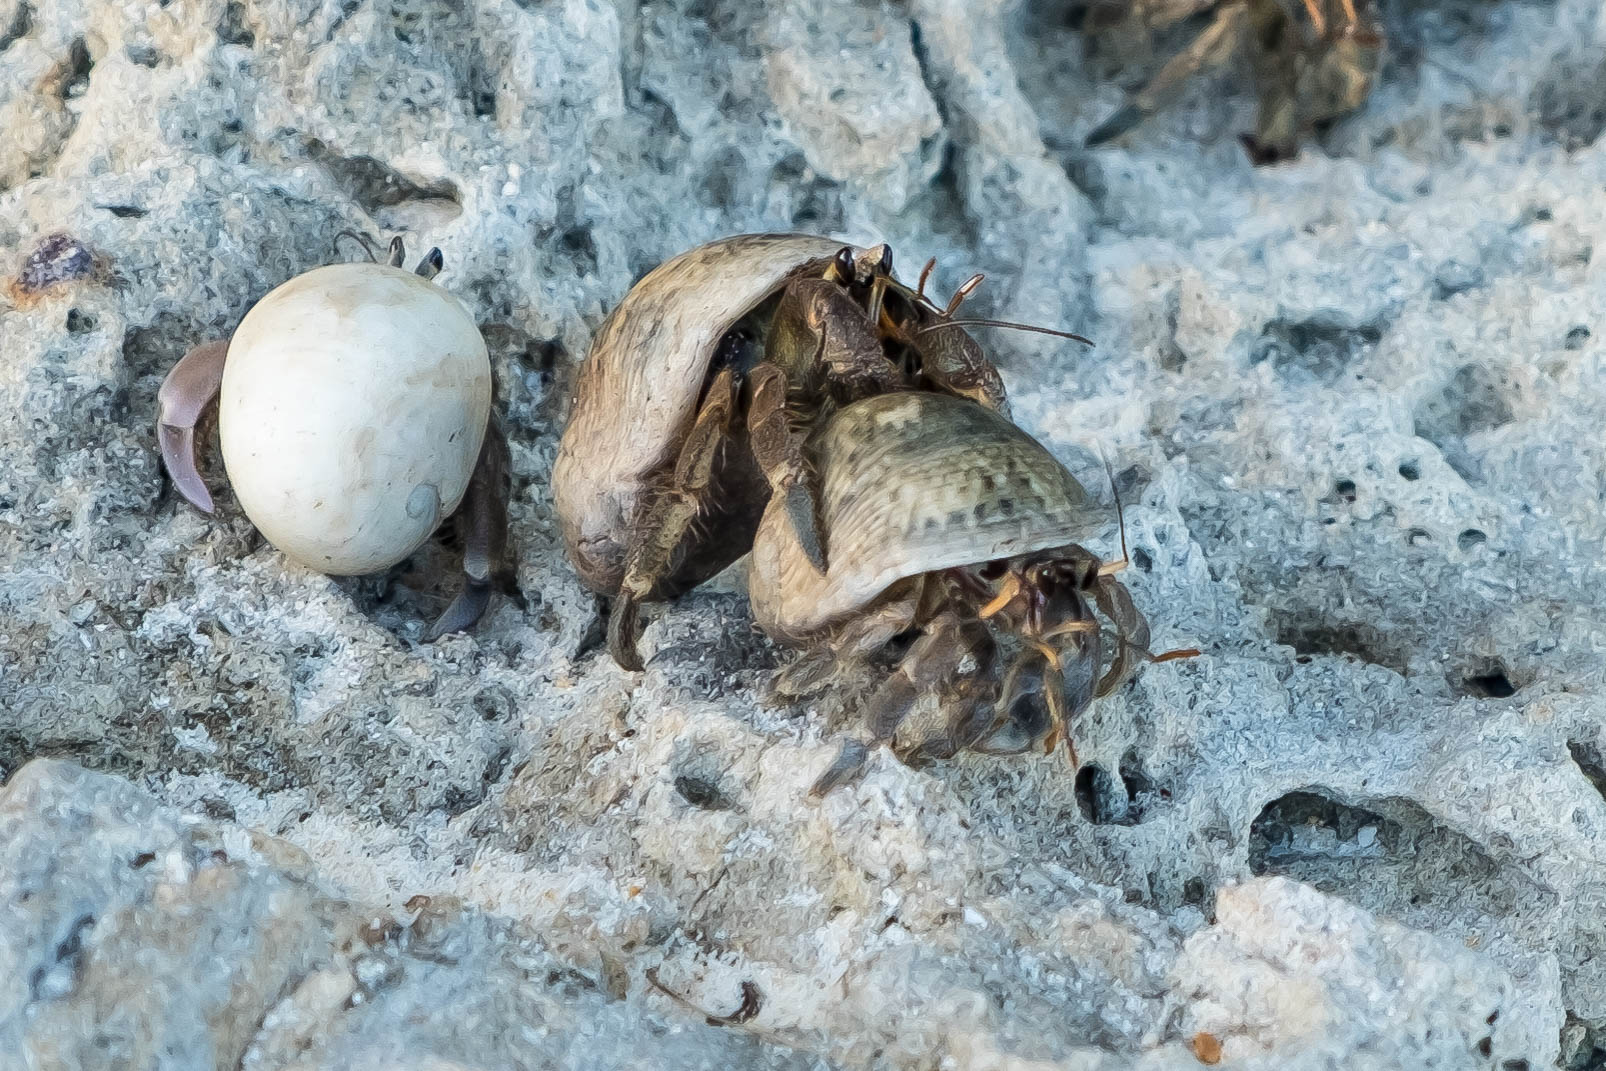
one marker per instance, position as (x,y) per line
(354,413)
(691,408)
(950,527)
(1313,62)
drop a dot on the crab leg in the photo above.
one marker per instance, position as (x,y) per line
(186,392)
(482,520)
(1213,45)
(667,515)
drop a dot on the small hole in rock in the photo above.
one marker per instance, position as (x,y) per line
(1492,685)
(1410,471)
(1469,538)
(1485,1047)
(1417,537)
(1590,763)
(1345,489)
(1099,797)
(1576,338)
(1141,559)
(1514,1065)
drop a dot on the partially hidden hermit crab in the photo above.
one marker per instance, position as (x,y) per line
(692,405)
(1312,61)
(354,412)
(949,524)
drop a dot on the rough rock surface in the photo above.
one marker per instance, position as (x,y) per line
(1353,402)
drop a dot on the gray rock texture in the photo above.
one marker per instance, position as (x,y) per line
(1353,403)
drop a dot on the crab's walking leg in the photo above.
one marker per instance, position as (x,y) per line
(1212,47)
(663,520)
(950,659)
(779,450)
(1131,630)
(188,389)
(482,522)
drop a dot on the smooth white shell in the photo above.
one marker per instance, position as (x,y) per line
(354,401)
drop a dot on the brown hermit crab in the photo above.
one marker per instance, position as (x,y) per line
(691,408)
(1313,62)
(947,524)
(354,413)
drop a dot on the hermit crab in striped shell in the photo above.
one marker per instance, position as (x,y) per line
(354,413)
(957,533)
(691,408)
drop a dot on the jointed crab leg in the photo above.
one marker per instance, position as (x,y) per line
(186,392)
(482,520)
(1213,45)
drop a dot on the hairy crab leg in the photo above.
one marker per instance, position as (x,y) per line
(186,392)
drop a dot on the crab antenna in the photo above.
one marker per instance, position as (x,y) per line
(1120,514)
(925,273)
(362,240)
(1004,323)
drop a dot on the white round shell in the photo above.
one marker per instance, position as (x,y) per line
(353,405)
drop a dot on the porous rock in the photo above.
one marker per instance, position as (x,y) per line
(1353,403)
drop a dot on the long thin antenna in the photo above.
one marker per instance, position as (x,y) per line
(1120,518)
(1003,323)
(367,246)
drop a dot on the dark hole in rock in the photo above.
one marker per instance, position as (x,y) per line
(1491,684)
(21,23)
(1469,538)
(1141,559)
(1303,824)
(1194,891)
(1345,490)
(1318,637)
(1390,854)
(578,244)
(373,184)
(1590,763)
(1514,1065)
(125,211)
(1101,798)
(1485,1047)
(231,28)
(1576,338)
(1417,537)
(79,322)
(1410,470)
(1141,790)
(494,703)
(71,76)
(1320,348)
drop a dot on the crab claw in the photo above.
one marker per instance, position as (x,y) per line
(188,389)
